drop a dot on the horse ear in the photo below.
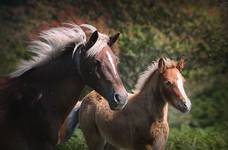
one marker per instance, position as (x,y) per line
(92,40)
(180,64)
(161,65)
(112,39)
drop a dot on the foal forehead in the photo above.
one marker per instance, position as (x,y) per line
(172,73)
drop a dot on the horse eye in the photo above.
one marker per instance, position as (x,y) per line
(98,63)
(168,83)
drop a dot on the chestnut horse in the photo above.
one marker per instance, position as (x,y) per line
(142,124)
(36,98)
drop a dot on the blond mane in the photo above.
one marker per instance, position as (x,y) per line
(150,70)
(51,43)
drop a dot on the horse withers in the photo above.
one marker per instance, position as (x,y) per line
(142,124)
(35,99)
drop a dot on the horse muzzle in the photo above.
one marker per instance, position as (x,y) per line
(184,105)
(119,100)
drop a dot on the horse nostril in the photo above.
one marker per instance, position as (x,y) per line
(117,98)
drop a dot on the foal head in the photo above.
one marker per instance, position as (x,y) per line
(97,66)
(172,84)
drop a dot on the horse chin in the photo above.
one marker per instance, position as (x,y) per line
(115,106)
(120,106)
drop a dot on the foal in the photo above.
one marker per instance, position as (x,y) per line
(142,124)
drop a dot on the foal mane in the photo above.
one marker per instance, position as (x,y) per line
(143,78)
(52,43)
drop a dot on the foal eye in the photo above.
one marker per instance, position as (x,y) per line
(168,83)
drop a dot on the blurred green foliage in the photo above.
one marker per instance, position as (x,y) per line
(149,29)
(77,142)
(210,138)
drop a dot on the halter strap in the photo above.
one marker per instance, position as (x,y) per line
(76,56)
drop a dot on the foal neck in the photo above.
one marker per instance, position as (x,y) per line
(151,99)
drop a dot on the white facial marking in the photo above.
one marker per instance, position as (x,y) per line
(181,89)
(111,61)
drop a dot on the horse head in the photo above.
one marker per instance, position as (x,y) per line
(172,84)
(97,65)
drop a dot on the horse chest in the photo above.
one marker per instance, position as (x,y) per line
(159,133)
(154,135)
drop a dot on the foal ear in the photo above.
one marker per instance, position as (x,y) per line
(180,63)
(92,40)
(112,39)
(161,65)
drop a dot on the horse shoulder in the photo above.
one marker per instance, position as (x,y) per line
(87,106)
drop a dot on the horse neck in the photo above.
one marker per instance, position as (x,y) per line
(150,98)
(58,86)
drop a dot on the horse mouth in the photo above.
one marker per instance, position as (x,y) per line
(117,106)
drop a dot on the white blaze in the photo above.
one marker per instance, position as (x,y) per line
(111,61)
(180,86)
